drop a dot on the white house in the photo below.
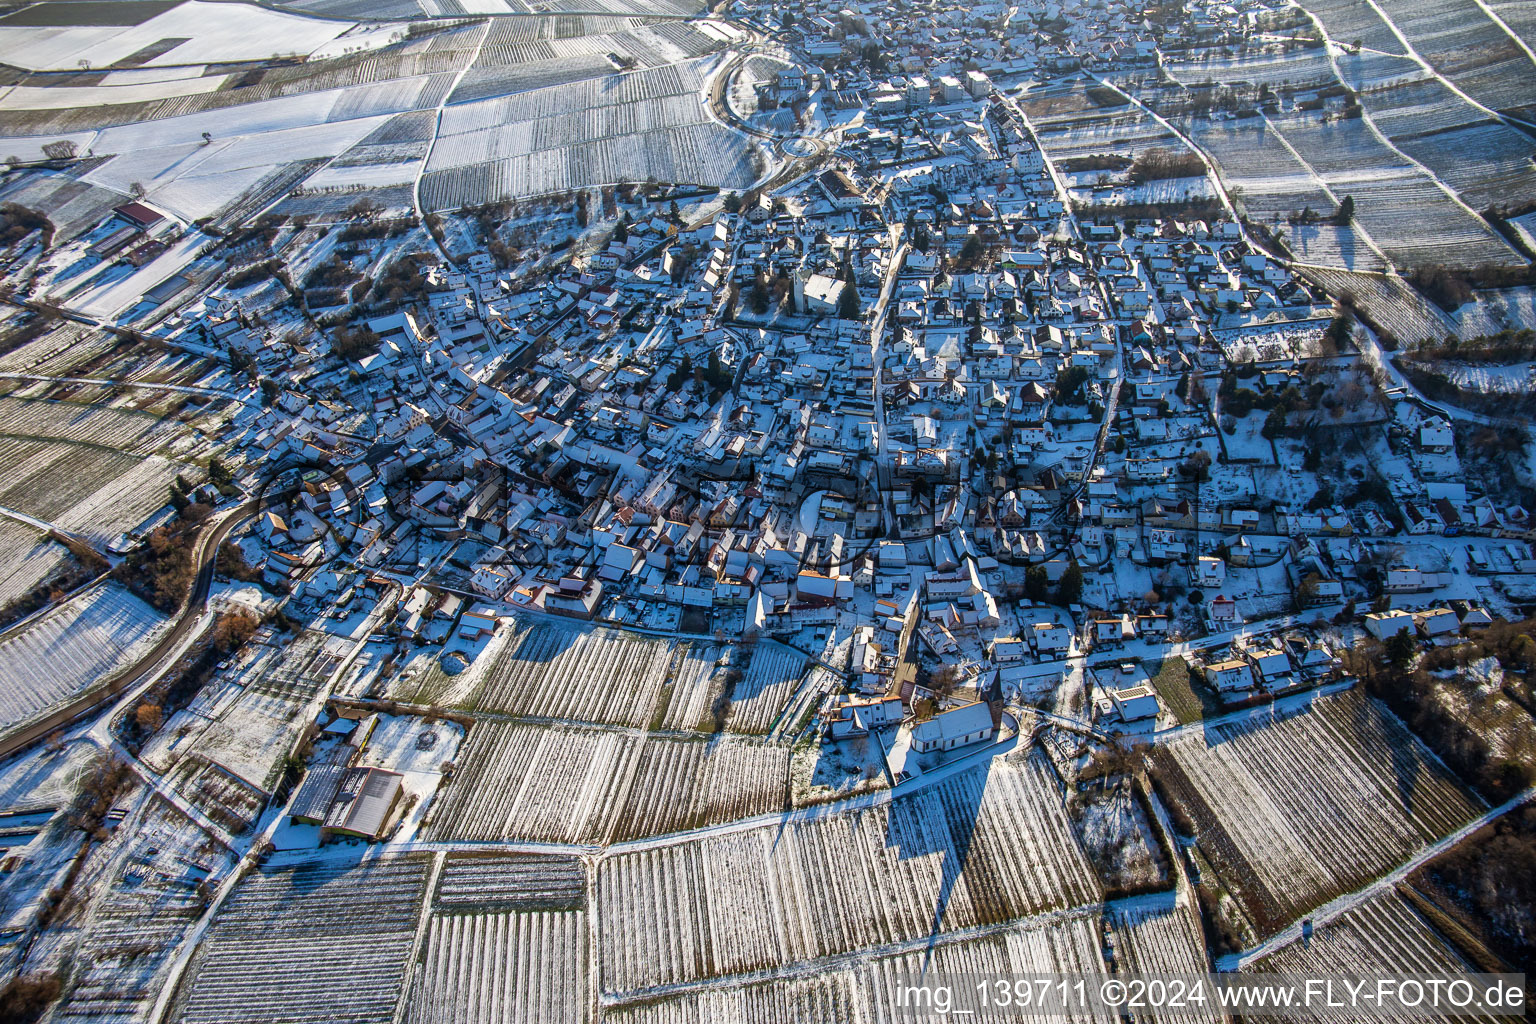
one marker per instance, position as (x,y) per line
(957,727)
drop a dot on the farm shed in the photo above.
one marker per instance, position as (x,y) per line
(363,803)
(312,803)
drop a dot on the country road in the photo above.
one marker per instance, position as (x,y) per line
(148,669)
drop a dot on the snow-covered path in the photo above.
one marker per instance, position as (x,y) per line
(437,129)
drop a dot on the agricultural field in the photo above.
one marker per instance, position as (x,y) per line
(1457,39)
(626,127)
(1384,933)
(95,492)
(770,679)
(27,558)
(1295,811)
(71,647)
(1390,302)
(573,674)
(861,991)
(522,881)
(1154,936)
(1299,69)
(983,848)
(132,933)
(528,782)
(501,965)
(49,36)
(1414,220)
(318,942)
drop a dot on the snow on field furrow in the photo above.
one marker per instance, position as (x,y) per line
(27,558)
(70,648)
(1311,825)
(1383,934)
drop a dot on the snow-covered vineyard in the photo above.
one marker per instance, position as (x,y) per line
(981,848)
(599,786)
(226,134)
(864,991)
(71,647)
(501,966)
(1294,811)
(321,943)
(578,675)
(587,785)
(599,131)
(27,558)
(1384,933)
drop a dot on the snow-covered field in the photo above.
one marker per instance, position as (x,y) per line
(71,647)
(863,990)
(26,559)
(984,847)
(625,127)
(93,491)
(323,942)
(208,33)
(502,965)
(575,674)
(588,785)
(1296,811)
(1384,934)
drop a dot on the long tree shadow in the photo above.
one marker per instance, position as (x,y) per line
(943,822)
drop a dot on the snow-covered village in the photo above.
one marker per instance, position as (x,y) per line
(660,513)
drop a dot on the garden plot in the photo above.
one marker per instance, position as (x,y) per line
(249,734)
(1293,812)
(576,674)
(627,127)
(985,847)
(323,942)
(862,990)
(72,647)
(527,782)
(501,966)
(1384,934)
(27,558)
(199,32)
